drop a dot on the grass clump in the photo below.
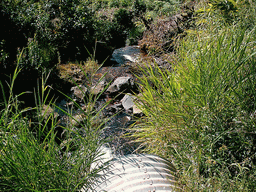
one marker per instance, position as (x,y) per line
(200,114)
(73,72)
(31,159)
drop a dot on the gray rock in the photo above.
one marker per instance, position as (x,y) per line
(137,111)
(98,88)
(79,92)
(127,102)
(126,54)
(76,120)
(120,84)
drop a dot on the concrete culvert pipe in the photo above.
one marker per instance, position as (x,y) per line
(137,173)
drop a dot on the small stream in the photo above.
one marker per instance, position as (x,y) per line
(127,172)
(121,118)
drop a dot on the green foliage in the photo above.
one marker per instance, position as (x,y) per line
(201,114)
(139,7)
(36,56)
(126,3)
(67,28)
(227,8)
(114,3)
(4,54)
(123,18)
(165,7)
(64,26)
(31,159)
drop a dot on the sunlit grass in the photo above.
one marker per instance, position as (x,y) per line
(75,71)
(199,114)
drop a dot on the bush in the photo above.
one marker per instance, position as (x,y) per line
(63,26)
(36,56)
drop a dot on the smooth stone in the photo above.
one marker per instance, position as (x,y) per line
(127,101)
(126,54)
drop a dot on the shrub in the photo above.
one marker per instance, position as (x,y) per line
(37,56)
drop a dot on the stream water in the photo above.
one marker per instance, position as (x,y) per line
(127,171)
(120,119)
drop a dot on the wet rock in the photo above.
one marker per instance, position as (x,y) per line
(121,84)
(126,54)
(79,92)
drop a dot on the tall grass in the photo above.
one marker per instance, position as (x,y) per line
(31,159)
(201,114)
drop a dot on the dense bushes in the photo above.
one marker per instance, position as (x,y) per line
(65,26)
(70,28)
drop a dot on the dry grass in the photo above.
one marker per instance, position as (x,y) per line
(77,72)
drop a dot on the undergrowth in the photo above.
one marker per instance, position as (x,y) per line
(201,114)
(31,158)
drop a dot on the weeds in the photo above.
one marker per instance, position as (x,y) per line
(199,115)
(30,157)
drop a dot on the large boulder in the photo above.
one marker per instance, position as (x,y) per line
(161,35)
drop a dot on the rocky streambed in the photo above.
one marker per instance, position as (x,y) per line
(110,96)
(115,88)
(114,85)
